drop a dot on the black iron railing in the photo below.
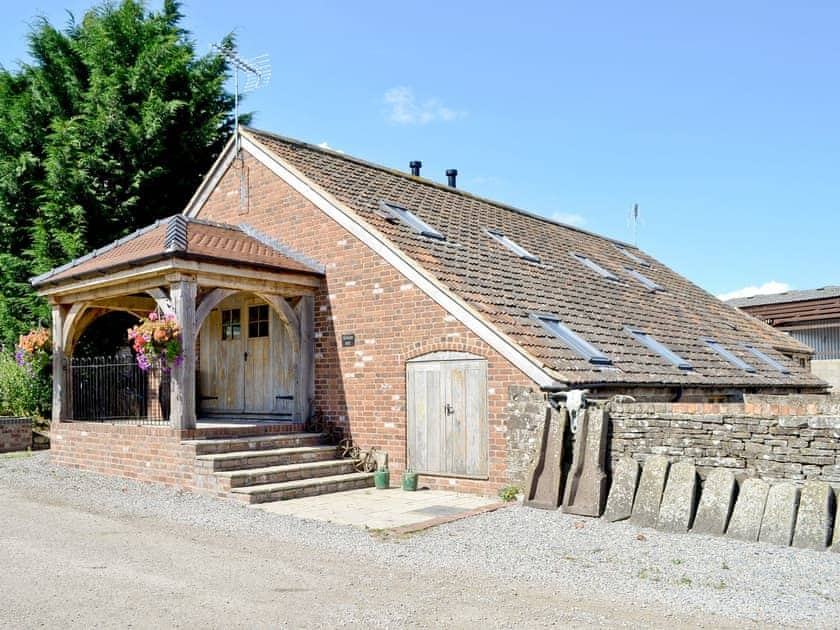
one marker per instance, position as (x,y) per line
(115,389)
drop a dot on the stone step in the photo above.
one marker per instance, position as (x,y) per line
(253,443)
(288,472)
(302,488)
(242,460)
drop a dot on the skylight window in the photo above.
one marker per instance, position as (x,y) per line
(574,341)
(392,210)
(595,266)
(768,360)
(516,248)
(650,284)
(726,354)
(659,348)
(632,256)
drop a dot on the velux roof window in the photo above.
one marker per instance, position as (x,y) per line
(574,341)
(650,284)
(393,211)
(632,256)
(594,266)
(516,248)
(659,348)
(726,354)
(768,360)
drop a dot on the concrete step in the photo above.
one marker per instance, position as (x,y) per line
(302,488)
(242,460)
(288,472)
(253,443)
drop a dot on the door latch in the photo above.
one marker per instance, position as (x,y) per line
(246,356)
(449,409)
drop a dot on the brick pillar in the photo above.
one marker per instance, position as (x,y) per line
(182,292)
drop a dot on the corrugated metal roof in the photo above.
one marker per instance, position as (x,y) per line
(787,296)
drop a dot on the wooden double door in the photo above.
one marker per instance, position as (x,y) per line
(447,430)
(247,359)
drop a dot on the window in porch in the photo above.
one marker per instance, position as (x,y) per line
(258,321)
(231,325)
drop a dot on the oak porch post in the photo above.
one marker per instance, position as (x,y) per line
(182,292)
(60,392)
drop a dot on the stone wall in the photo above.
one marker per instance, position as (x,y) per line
(771,437)
(15,434)
(525,415)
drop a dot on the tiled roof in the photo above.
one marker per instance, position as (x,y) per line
(506,289)
(180,237)
(787,296)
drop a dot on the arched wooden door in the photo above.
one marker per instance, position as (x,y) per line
(247,359)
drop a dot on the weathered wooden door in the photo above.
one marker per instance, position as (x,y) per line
(248,360)
(447,429)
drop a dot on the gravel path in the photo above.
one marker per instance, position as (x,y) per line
(514,567)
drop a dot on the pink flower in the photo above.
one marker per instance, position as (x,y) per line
(153,317)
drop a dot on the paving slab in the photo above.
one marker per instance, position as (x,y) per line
(624,482)
(749,510)
(370,508)
(716,502)
(780,514)
(678,500)
(649,493)
(816,516)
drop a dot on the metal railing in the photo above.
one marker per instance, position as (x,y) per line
(115,389)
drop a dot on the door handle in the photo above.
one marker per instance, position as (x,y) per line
(449,409)
(246,356)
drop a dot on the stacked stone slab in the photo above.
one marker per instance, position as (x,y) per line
(678,500)
(649,494)
(815,519)
(749,510)
(623,490)
(779,519)
(715,503)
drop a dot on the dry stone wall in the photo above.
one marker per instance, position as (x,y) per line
(770,437)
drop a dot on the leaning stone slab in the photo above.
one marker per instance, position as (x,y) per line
(715,503)
(780,514)
(678,500)
(749,510)
(816,516)
(649,493)
(586,487)
(625,478)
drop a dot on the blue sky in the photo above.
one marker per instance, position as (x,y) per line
(720,119)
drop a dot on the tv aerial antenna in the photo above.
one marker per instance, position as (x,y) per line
(634,218)
(257,74)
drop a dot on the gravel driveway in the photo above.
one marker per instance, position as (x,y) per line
(82,550)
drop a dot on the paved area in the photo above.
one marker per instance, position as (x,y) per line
(370,508)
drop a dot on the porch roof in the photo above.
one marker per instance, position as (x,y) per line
(183,238)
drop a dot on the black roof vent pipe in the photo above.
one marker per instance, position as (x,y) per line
(415,165)
(451,174)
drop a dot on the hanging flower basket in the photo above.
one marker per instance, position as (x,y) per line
(34,351)
(157,341)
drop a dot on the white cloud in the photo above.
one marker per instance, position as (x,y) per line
(569,218)
(405,110)
(325,145)
(768,288)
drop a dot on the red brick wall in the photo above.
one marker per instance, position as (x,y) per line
(146,453)
(392,320)
(15,434)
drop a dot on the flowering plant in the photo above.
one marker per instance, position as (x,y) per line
(157,340)
(33,351)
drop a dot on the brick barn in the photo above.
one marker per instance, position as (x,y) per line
(409,313)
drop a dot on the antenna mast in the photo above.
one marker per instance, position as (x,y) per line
(257,73)
(634,223)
